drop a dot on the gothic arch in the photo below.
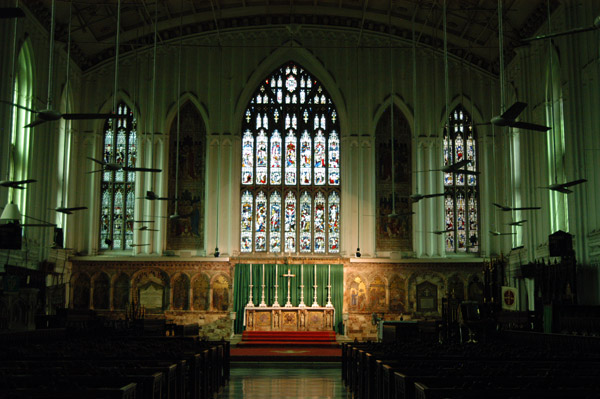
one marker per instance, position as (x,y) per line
(312,64)
(101,291)
(185,98)
(400,104)
(180,283)
(200,284)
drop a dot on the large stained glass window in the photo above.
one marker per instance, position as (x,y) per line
(290,176)
(118,198)
(461,200)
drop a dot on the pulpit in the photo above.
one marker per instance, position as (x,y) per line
(289,318)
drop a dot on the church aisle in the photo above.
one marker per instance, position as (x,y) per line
(285,380)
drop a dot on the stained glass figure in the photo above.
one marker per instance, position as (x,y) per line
(290,142)
(290,222)
(246,222)
(117,189)
(276,158)
(334,222)
(261,223)
(247,158)
(290,159)
(461,199)
(261,157)
(305,159)
(305,222)
(275,223)
(319,227)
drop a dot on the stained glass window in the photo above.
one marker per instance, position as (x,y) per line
(290,166)
(461,202)
(118,187)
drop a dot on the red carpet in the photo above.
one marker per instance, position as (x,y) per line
(316,346)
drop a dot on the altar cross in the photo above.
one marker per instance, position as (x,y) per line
(289,276)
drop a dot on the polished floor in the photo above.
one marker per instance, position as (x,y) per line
(285,380)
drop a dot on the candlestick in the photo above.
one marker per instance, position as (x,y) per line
(262,298)
(302,304)
(329,304)
(315,303)
(276,303)
(250,286)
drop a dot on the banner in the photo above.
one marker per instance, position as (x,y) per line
(509,298)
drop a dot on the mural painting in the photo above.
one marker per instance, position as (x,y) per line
(121,292)
(377,295)
(101,294)
(200,293)
(394,233)
(398,295)
(181,292)
(456,288)
(220,298)
(356,295)
(188,230)
(81,292)
(475,289)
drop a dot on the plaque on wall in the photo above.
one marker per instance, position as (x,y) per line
(427,297)
(151,296)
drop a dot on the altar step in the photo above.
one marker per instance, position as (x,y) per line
(305,338)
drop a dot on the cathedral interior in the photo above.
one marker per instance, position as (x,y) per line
(158,156)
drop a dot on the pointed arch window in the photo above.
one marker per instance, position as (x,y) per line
(118,187)
(461,190)
(20,138)
(290,174)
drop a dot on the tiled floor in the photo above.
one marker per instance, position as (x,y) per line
(285,380)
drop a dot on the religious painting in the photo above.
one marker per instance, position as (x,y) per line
(220,297)
(393,182)
(356,295)
(290,320)
(181,292)
(81,292)
(427,297)
(200,293)
(121,292)
(475,289)
(397,295)
(101,292)
(377,295)
(189,172)
(262,320)
(456,288)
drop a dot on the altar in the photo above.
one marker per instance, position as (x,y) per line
(289,318)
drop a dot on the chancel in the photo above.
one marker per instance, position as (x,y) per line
(267,176)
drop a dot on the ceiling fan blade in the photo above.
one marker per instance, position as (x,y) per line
(529,126)
(567,184)
(567,32)
(11,12)
(95,171)
(36,122)
(132,169)
(97,161)
(514,111)
(18,106)
(86,116)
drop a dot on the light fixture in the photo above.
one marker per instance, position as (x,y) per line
(358,252)
(217,253)
(11,213)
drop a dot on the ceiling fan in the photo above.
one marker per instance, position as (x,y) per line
(522,208)
(497,233)
(48,114)
(453,168)
(438,232)
(508,118)
(11,12)
(146,228)
(419,197)
(67,210)
(518,223)
(564,187)
(16,183)
(115,166)
(152,196)
(595,25)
